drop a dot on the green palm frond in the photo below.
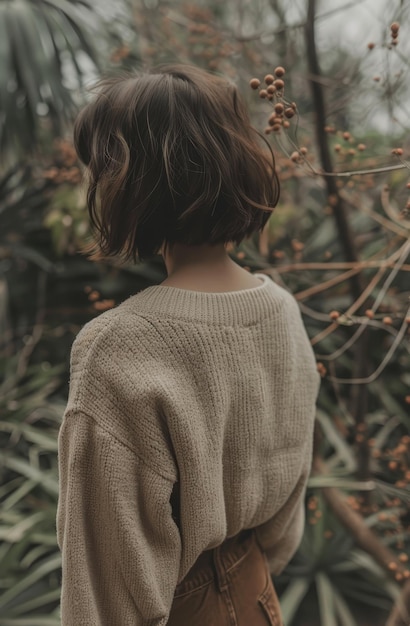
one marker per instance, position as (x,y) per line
(30,562)
(46,50)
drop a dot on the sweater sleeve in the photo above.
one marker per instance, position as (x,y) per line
(120,546)
(281,536)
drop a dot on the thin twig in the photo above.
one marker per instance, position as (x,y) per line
(365,322)
(393,213)
(386,223)
(403,252)
(378,370)
(297,267)
(400,614)
(339,211)
(363,536)
(323,286)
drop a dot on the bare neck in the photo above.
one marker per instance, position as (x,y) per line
(205,268)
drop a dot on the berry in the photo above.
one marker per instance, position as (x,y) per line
(303,150)
(269,79)
(279,108)
(395,27)
(361,147)
(370,45)
(279,71)
(334,315)
(279,84)
(271,89)
(369,313)
(254,83)
(263,93)
(346,136)
(387,320)
(294,156)
(289,112)
(286,124)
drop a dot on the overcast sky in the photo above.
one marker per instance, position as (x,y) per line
(352,25)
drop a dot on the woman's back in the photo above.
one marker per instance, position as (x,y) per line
(214,392)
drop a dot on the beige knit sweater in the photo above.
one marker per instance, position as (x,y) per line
(214,390)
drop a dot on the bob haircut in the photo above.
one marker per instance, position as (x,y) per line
(171,156)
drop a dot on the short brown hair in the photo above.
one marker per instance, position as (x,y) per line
(172,157)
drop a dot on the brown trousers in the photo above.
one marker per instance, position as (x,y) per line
(228,586)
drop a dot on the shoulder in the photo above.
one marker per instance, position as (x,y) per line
(115,379)
(116,350)
(288,300)
(115,332)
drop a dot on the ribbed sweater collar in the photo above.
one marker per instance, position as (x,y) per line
(245,307)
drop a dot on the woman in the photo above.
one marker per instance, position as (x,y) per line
(186,444)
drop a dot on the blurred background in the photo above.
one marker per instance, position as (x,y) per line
(335,107)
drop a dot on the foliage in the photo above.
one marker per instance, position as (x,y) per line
(352,287)
(29,558)
(40,46)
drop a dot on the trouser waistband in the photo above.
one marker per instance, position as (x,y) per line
(217,562)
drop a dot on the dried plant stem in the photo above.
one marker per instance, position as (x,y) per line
(364,323)
(402,253)
(335,280)
(400,614)
(390,210)
(325,285)
(369,379)
(342,223)
(376,170)
(363,536)
(360,205)
(354,319)
(347,174)
(298,267)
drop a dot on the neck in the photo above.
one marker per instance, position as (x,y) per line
(183,260)
(204,268)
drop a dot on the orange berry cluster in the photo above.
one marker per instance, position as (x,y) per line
(94,297)
(397,151)
(347,137)
(65,164)
(369,313)
(394,34)
(397,459)
(120,53)
(57,175)
(273,90)
(315,512)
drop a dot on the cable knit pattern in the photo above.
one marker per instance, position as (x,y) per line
(215,391)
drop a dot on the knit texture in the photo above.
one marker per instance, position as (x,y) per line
(215,391)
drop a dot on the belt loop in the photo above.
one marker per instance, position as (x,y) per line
(220,572)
